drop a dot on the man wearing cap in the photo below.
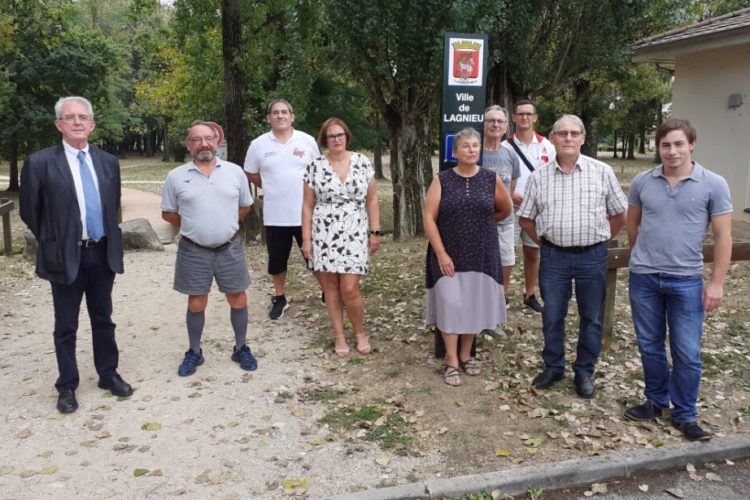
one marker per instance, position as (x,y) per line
(206,199)
(70,195)
(276,162)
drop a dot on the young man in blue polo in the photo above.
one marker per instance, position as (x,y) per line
(670,209)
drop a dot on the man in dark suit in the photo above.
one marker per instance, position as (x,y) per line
(70,196)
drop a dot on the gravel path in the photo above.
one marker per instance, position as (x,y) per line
(221,432)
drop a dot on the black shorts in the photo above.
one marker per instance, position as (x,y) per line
(279,245)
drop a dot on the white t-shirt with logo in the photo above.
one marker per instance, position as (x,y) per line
(539,153)
(282,168)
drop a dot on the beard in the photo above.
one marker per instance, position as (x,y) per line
(205,155)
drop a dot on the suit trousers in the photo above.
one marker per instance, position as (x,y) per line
(95,279)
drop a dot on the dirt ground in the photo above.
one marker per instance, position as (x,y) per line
(308,423)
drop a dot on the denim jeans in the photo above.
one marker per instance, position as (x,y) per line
(659,301)
(557,271)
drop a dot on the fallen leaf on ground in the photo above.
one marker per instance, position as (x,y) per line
(711,476)
(383,459)
(295,486)
(675,492)
(140,472)
(48,470)
(643,487)
(500,452)
(151,426)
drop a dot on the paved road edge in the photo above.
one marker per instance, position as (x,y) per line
(565,474)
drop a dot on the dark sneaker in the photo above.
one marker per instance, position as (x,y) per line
(190,363)
(532,303)
(323,299)
(245,358)
(646,411)
(278,306)
(692,431)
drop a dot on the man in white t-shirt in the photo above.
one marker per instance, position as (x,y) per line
(534,151)
(276,162)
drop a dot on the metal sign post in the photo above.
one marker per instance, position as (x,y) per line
(464,89)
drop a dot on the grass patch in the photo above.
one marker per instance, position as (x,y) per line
(388,430)
(320,394)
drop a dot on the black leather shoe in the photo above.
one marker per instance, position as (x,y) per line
(116,385)
(532,303)
(66,401)
(547,378)
(692,431)
(646,411)
(584,386)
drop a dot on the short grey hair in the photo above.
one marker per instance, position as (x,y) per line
(74,98)
(276,101)
(569,118)
(201,122)
(466,133)
(495,107)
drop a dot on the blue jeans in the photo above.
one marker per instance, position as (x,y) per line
(657,301)
(557,271)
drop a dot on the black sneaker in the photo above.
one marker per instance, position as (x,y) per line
(532,303)
(190,363)
(646,411)
(692,431)
(245,358)
(278,306)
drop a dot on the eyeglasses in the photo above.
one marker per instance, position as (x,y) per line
(335,137)
(572,133)
(495,120)
(80,118)
(197,141)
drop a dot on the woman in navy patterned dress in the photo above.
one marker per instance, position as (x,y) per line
(464,288)
(339,201)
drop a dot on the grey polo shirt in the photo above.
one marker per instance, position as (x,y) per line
(674,220)
(506,165)
(208,206)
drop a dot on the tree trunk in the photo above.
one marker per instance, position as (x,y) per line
(410,160)
(642,146)
(13,185)
(631,146)
(234,82)
(378,149)
(659,121)
(614,145)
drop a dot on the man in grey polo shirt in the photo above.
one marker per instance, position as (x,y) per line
(671,207)
(205,199)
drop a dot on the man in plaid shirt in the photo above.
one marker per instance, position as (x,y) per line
(571,207)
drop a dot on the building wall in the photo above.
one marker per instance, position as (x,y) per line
(703,83)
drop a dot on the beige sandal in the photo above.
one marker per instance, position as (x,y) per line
(341,352)
(363,347)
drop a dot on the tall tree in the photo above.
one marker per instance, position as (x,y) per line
(49,59)
(394,47)
(234,80)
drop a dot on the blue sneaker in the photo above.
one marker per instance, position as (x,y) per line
(245,358)
(190,363)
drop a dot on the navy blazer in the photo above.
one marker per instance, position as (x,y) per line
(49,207)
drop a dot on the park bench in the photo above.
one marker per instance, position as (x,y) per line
(6,206)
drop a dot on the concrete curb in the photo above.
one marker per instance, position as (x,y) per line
(578,472)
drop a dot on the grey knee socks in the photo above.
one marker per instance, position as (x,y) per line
(238,317)
(195,322)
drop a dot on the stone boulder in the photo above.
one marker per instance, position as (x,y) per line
(137,234)
(29,250)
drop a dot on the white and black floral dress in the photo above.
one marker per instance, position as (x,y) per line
(339,223)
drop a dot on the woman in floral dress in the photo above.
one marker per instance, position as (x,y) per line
(340,228)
